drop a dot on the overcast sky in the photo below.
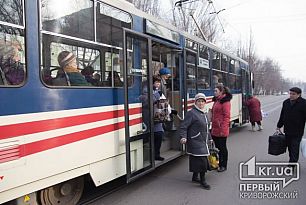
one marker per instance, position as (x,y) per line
(278,27)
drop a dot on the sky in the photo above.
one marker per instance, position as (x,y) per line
(278,29)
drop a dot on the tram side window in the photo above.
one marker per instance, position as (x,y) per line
(203,79)
(69,65)
(110,22)
(191,73)
(215,61)
(224,63)
(203,52)
(203,57)
(69,17)
(232,81)
(112,72)
(238,82)
(219,78)
(237,68)
(232,66)
(191,45)
(99,68)
(12,45)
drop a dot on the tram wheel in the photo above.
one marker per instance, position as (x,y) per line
(66,193)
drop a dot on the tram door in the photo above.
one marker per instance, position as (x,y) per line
(245,92)
(138,104)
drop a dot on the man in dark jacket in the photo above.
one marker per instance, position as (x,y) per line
(293,118)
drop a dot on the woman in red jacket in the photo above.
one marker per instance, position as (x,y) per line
(221,113)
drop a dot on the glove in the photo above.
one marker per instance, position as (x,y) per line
(173,112)
(183,141)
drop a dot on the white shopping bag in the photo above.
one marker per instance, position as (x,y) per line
(303,147)
(264,114)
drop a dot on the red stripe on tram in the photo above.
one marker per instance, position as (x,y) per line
(14,130)
(47,144)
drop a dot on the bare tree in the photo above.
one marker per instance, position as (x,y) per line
(11,12)
(181,18)
(148,6)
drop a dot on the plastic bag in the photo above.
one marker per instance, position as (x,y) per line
(213,161)
(303,147)
(213,158)
(264,114)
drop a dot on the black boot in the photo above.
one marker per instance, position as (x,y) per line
(203,182)
(195,177)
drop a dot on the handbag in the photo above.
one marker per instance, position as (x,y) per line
(277,144)
(303,147)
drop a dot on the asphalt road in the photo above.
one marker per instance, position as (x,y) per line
(171,184)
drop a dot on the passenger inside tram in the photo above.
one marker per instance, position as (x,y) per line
(165,74)
(12,71)
(87,72)
(117,79)
(165,60)
(68,63)
(60,78)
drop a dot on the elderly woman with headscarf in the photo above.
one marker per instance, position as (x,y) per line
(194,131)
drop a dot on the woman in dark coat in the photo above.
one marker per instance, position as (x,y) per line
(221,114)
(254,108)
(194,131)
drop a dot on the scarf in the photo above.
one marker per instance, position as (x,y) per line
(201,110)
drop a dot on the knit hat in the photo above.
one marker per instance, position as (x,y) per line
(200,96)
(65,57)
(165,71)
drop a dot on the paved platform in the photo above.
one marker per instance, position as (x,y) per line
(171,184)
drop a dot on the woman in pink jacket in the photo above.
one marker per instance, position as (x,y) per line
(221,113)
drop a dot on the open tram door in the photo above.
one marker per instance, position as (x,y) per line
(138,104)
(169,55)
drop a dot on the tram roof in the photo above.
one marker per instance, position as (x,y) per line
(130,8)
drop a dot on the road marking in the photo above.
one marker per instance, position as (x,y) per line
(276,108)
(267,105)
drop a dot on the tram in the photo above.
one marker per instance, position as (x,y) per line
(53,133)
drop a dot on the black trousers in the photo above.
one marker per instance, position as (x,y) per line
(220,143)
(293,144)
(258,123)
(158,137)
